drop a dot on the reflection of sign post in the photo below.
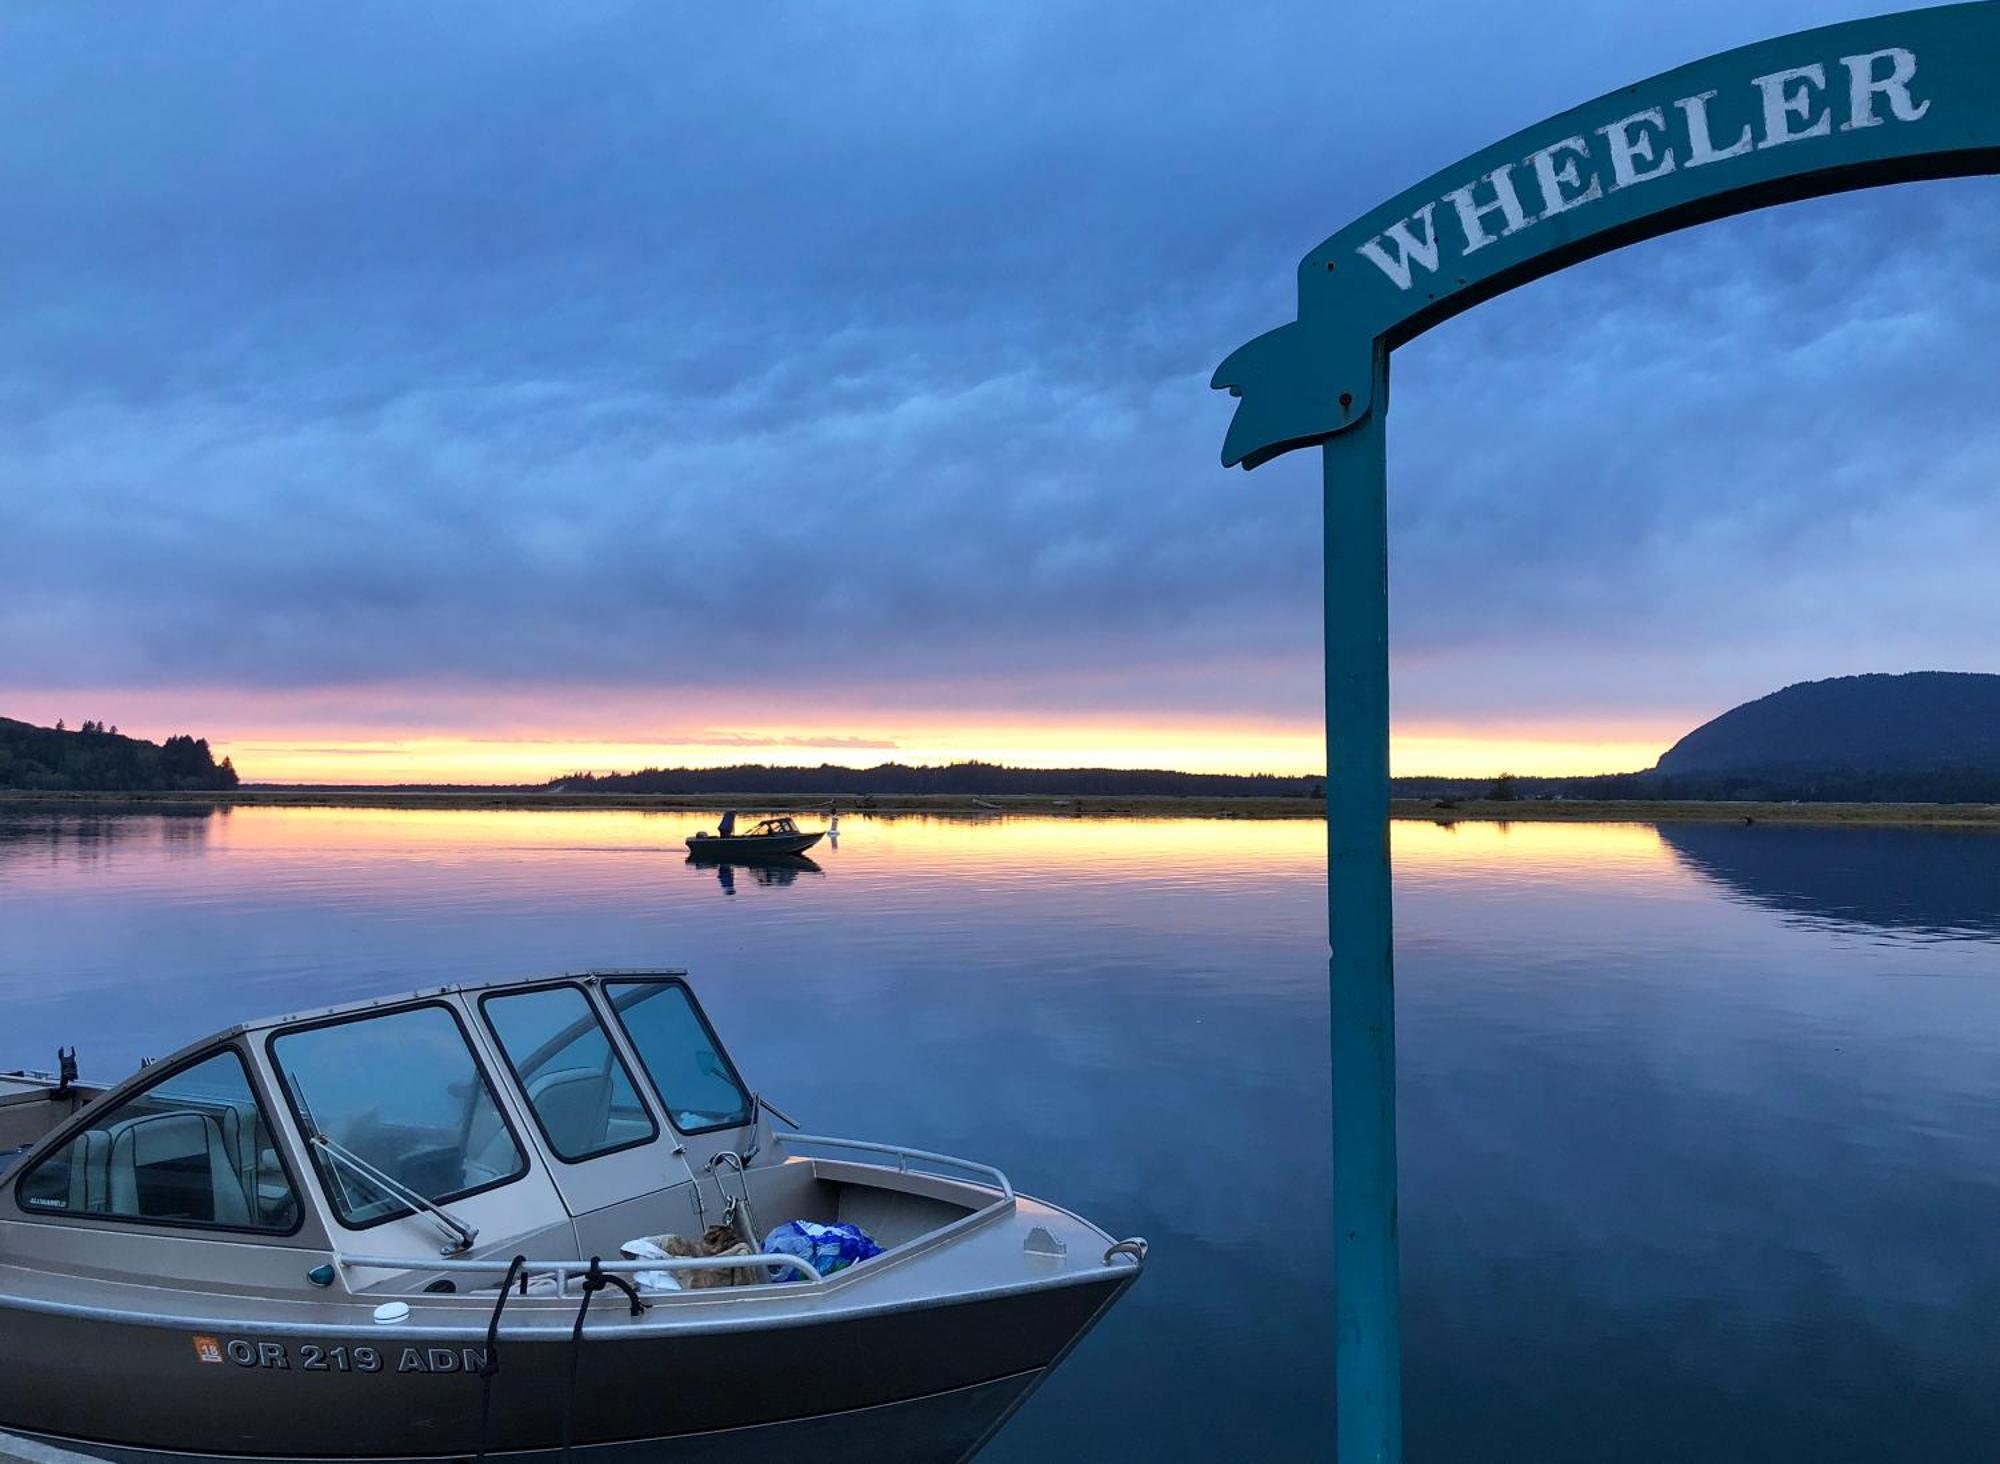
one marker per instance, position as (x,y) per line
(1889,100)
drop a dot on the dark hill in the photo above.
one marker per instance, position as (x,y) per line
(91,759)
(1925,722)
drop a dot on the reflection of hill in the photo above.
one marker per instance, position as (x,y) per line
(1926,881)
(29,834)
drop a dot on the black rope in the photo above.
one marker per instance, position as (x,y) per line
(490,1368)
(595,1280)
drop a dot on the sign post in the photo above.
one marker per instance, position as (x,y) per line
(1893,99)
(1368,1312)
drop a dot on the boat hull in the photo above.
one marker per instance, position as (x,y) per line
(751,846)
(943,1427)
(910,1385)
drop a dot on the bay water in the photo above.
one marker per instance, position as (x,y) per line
(1700,1124)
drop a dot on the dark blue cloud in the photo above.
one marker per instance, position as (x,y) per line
(638,344)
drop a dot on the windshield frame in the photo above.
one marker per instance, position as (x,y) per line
(140,1083)
(611,1041)
(607,982)
(336,1211)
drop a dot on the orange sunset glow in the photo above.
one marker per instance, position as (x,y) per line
(381,734)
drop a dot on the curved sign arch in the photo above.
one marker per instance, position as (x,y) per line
(1893,99)
(1889,100)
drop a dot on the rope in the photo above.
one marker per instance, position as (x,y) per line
(594,1281)
(490,1368)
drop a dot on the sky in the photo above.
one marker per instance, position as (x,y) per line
(469,393)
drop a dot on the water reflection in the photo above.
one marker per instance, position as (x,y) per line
(1940,883)
(54,837)
(774,872)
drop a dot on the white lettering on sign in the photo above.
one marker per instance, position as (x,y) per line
(1789,94)
(1793,105)
(1637,152)
(1559,174)
(1701,142)
(1505,202)
(1410,249)
(1864,86)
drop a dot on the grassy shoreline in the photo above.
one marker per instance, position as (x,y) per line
(1936,815)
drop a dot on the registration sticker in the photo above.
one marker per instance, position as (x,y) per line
(208,1349)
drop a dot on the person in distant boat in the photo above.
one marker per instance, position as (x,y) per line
(728,825)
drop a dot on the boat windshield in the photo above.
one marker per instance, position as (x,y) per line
(576,1085)
(400,1093)
(191,1148)
(688,1067)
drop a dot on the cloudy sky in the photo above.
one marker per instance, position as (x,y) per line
(485,391)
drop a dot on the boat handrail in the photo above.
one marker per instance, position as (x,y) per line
(904,1157)
(563,1270)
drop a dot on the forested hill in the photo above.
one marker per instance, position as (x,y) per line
(1921,737)
(1920,722)
(974,778)
(94,758)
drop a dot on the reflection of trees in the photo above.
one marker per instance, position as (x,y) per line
(40,834)
(1939,882)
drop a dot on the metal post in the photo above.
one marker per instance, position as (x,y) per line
(1368,1318)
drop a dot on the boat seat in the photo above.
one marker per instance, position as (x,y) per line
(257,1165)
(89,1183)
(174,1166)
(574,1105)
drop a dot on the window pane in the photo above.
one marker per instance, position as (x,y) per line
(580,1091)
(195,1148)
(402,1093)
(680,1054)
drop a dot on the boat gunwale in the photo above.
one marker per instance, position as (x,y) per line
(725,1309)
(561,1312)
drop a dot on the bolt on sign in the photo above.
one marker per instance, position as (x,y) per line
(1888,100)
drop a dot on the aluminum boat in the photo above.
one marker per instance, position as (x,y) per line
(774,838)
(398,1230)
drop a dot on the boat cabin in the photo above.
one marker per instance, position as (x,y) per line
(555,1118)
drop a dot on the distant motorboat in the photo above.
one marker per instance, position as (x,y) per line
(772,838)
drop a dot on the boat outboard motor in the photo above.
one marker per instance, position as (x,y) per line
(65,1071)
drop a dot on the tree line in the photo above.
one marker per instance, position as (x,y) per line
(96,758)
(1949,784)
(967,778)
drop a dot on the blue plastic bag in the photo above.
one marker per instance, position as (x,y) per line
(826,1248)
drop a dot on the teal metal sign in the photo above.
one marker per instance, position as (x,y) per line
(1888,100)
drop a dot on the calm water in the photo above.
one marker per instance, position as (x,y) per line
(1701,1127)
